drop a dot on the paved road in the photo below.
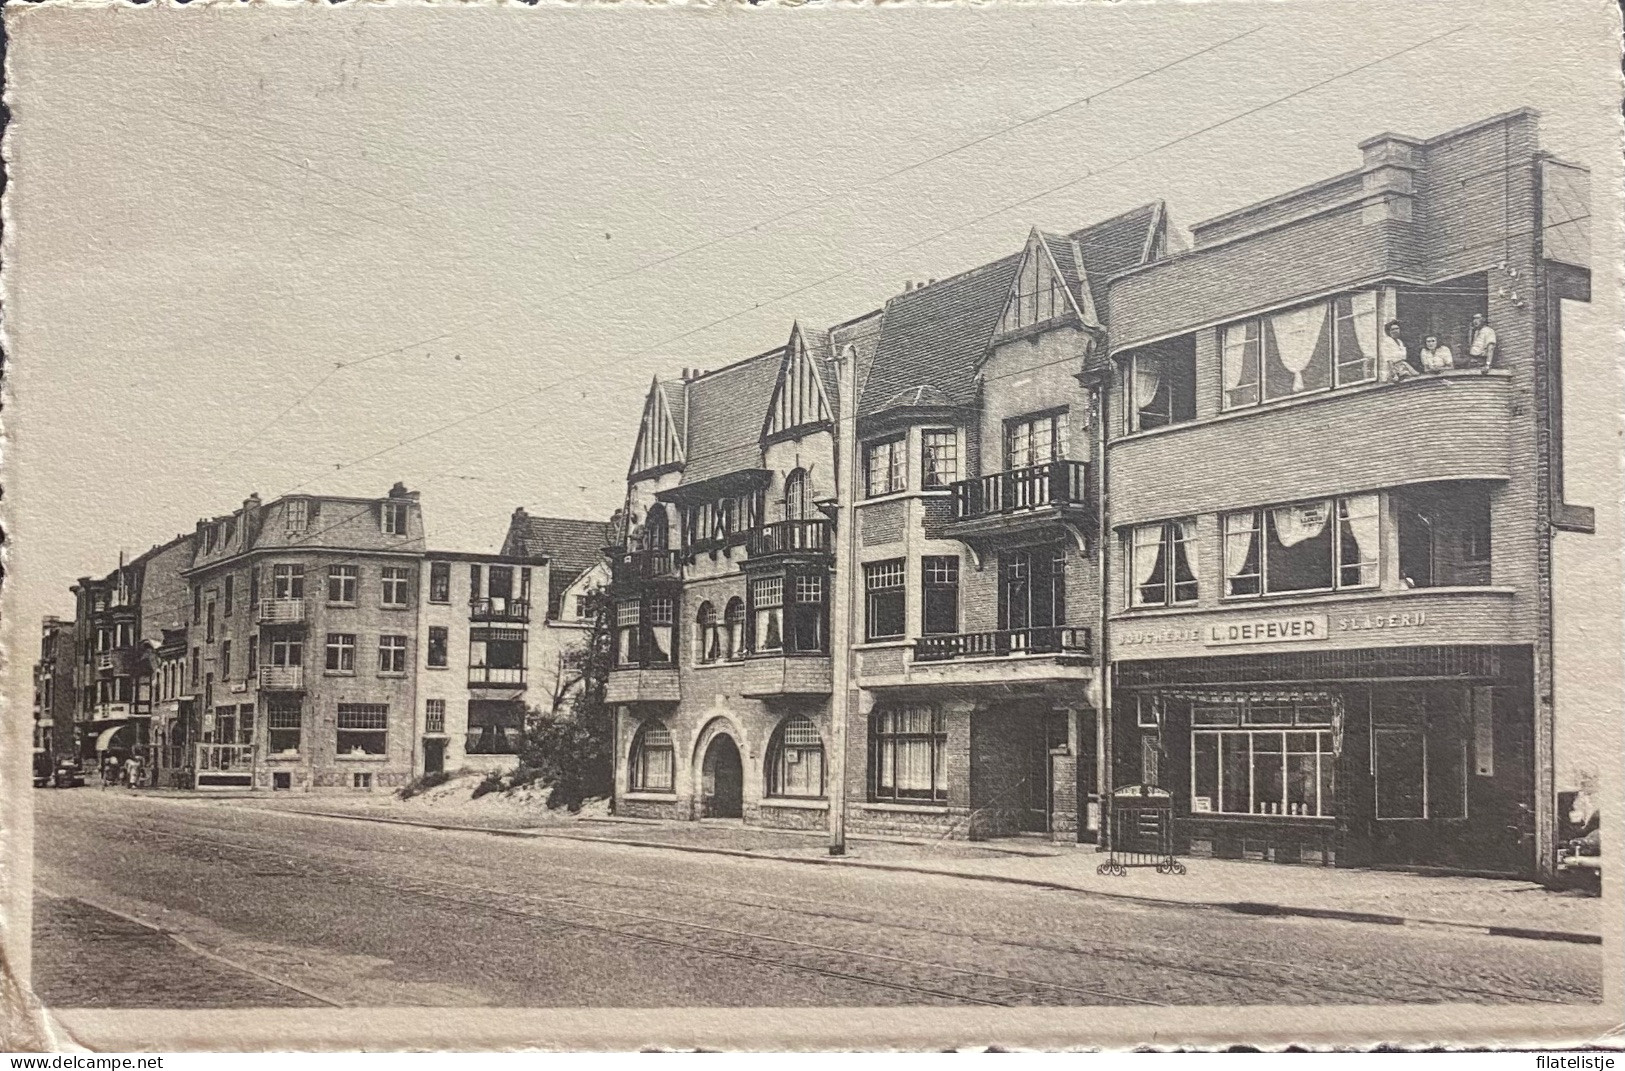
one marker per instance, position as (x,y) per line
(147,902)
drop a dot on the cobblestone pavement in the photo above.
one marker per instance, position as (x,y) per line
(368,915)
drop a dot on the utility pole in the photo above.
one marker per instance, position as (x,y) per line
(840,707)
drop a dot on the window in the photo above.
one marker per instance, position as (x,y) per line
(656,530)
(253,655)
(340,652)
(287,653)
(1155,551)
(1419,754)
(341,583)
(798,505)
(363,728)
(283,720)
(795,760)
(395,579)
(392,518)
(253,588)
(1296,351)
(434,715)
(225,658)
(1263,755)
(124,635)
(208,618)
(1300,547)
(884,609)
(583,608)
(361,780)
(1444,535)
(658,636)
(391,654)
(733,620)
(475,589)
(939,578)
(1032,588)
(496,655)
(439,581)
(287,581)
(907,749)
(439,638)
(1160,385)
(495,727)
(767,605)
(628,623)
(231,584)
(807,632)
(211,533)
(707,633)
(197,605)
(298,514)
(887,466)
(104,639)
(197,665)
(939,457)
(1035,440)
(1039,295)
(653,759)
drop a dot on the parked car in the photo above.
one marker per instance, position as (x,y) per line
(67,773)
(42,767)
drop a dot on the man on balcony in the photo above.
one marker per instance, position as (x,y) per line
(1481,350)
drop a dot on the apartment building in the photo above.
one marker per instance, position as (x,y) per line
(722,673)
(975,584)
(55,695)
(503,634)
(1333,470)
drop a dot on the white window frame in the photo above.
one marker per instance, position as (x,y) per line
(1335,508)
(397,577)
(895,451)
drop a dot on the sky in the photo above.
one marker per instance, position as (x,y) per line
(267,249)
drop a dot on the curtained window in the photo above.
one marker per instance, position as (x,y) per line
(795,760)
(1160,385)
(907,749)
(734,621)
(708,633)
(1354,338)
(767,605)
(654,760)
(1162,563)
(1300,547)
(1301,350)
(1297,353)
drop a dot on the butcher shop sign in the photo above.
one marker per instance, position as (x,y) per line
(1266,629)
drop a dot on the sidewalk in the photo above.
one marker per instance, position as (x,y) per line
(1506,907)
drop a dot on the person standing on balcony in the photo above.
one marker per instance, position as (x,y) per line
(1397,364)
(1482,347)
(1436,358)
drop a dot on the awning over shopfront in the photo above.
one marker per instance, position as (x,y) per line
(104,741)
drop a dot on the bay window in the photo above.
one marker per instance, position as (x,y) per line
(807,631)
(496,655)
(939,457)
(1162,569)
(1300,350)
(733,620)
(644,630)
(707,634)
(767,602)
(1318,545)
(886,464)
(1159,384)
(907,754)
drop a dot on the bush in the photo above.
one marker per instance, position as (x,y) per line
(424,784)
(571,755)
(492,782)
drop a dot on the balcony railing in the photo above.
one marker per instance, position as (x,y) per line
(282,678)
(496,675)
(1054,483)
(635,565)
(1053,640)
(499,608)
(282,611)
(216,758)
(809,536)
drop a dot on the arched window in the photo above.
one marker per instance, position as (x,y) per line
(657,530)
(907,748)
(708,634)
(734,622)
(653,758)
(795,760)
(797,496)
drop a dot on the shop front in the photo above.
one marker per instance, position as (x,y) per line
(1414,756)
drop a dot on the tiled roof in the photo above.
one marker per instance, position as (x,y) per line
(1114,245)
(572,545)
(821,352)
(725,411)
(677,406)
(937,335)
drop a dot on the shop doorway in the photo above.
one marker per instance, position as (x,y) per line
(722,780)
(434,756)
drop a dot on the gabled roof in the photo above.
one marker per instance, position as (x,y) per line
(725,411)
(1115,245)
(571,544)
(804,393)
(661,428)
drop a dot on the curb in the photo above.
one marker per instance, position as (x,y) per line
(1241,907)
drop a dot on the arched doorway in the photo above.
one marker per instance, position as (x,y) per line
(722,780)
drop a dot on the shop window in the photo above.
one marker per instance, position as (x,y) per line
(1321,545)
(707,633)
(283,720)
(1444,535)
(885,591)
(886,464)
(939,457)
(1160,384)
(362,728)
(939,577)
(907,748)
(1162,569)
(1032,588)
(1261,754)
(1419,746)
(795,760)
(653,759)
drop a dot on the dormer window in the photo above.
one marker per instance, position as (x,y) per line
(393,518)
(298,512)
(210,534)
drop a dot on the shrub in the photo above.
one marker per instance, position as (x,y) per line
(491,783)
(424,783)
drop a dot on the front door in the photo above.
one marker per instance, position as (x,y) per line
(723,777)
(434,756)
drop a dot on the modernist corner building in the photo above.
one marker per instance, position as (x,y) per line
(1266,522)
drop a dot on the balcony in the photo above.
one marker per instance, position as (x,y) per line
(499,608)
(809,537)
(282,678)
(1047,501)
(496,676)
(636,566)
(1005,643)
(654,683)
(1446,426)
(766,676)
(283,612)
